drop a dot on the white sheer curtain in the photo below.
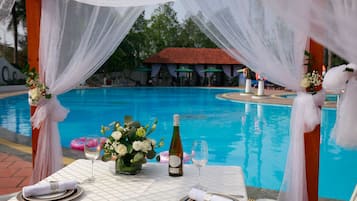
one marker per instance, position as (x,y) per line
(235,70)
(252,34)
(5,9)
(199,69)
(172,69)
(340,79)
(75,40)
(228,71)
(329,22)
(333,24)
(155,69)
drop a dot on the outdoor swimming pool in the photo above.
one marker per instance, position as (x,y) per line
(253,136)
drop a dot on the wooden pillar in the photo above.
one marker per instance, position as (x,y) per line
(312,139)
(33,16)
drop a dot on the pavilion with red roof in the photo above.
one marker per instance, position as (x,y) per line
(167,63)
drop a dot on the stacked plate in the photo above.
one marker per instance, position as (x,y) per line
(60,196)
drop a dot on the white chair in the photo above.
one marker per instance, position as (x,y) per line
(354,195)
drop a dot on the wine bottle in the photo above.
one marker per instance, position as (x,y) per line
(176,152)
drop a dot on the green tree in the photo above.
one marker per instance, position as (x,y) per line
(18,15)
(132,50)
(192,36)
(164,28)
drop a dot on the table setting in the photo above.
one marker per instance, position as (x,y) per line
(123,173)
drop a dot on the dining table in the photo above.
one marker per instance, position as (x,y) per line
(151,183)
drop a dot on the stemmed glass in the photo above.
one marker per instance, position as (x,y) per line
(92,146)
(199,155)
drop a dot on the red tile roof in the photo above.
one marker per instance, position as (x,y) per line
(175,55)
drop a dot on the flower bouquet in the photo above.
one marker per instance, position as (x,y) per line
(37,89)
(129,145)
(311,81)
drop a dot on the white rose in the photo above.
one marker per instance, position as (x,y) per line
(115,145)
(116,135)
(121,150)
(146,146)
(137,145)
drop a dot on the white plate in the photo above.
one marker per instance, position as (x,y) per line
(50,196)
(63,196)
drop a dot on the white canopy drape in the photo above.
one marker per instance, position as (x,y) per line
(75,40)
(5,8)
(252,34)
(333,24)
(329,22)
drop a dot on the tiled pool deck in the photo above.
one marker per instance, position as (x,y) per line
(16,158)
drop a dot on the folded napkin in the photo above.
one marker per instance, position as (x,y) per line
(200,195)
(48,188)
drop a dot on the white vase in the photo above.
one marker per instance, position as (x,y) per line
(260,88)
(248,86)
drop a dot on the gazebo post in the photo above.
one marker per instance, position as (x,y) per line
(312,139)
(33,16)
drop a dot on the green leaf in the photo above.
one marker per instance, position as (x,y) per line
(106,157)
(130,148)
(138,157)
(134,124)
(161,143)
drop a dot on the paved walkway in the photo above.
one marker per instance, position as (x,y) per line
(14,173)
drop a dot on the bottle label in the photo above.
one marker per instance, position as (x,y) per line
(174,170)
(174,161)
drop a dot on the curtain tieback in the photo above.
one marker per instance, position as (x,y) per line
(50,109)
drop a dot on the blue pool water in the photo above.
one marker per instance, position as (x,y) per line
(253,136)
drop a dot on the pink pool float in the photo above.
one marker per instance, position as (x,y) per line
(78,143)
(164,157)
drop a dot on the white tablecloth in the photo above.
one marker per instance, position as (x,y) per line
(152,183)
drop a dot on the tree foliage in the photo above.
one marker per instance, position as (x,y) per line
(18,15)
(191,36)
(150,36)
(164,28)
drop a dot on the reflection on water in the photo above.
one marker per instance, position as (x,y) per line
(253,136)
(14,114)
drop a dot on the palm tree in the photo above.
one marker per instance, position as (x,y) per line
(18,14)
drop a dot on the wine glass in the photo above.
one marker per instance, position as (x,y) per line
(92,147)
(199,155)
